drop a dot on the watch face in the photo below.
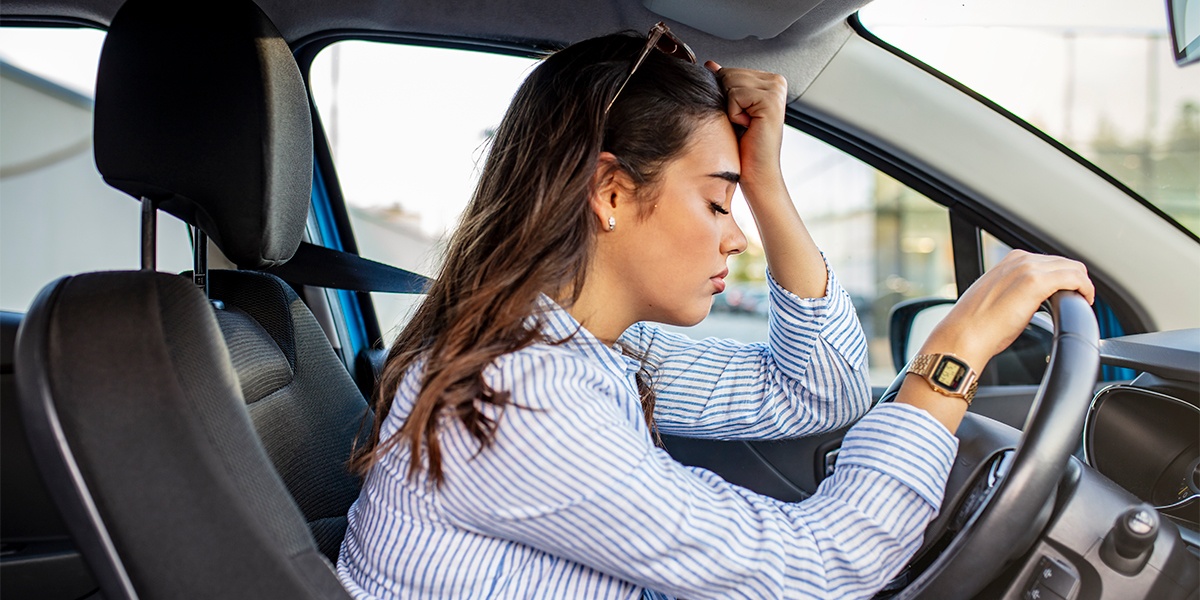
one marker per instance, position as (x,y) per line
(949,373)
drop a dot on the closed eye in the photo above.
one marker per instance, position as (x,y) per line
(717,208)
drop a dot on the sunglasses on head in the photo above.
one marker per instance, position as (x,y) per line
(660,38)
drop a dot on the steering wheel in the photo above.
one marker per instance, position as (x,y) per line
(1000,500)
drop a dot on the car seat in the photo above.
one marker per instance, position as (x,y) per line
(196,446)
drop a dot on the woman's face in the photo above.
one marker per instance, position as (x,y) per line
(672,249)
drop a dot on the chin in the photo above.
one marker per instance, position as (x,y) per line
(689,316)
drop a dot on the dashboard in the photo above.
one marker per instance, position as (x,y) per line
(1127,527)
(1145,435)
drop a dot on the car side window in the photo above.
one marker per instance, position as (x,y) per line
(57,216)
(407,164)
(407,170)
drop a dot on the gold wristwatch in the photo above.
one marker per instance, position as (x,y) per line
(946,374)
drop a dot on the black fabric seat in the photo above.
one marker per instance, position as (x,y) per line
(160,476)
(193,451)
(302,402)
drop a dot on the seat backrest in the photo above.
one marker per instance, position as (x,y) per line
(304,405)
(231,153)
(139,426)
(188,446)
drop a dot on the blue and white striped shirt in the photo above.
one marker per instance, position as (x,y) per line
(573,500)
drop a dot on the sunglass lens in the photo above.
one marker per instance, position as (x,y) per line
(672,46)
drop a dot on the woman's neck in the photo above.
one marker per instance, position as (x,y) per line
(599,310)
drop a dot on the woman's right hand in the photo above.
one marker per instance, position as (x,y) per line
(989,316)
(998,306)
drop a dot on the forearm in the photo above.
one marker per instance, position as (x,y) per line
(810,377)
(792,255)
(988,317)
(757,101)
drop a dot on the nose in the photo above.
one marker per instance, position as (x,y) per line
(733,241)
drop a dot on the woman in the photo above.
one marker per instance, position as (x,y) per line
(514,452)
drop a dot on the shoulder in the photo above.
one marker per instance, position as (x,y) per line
(545,376)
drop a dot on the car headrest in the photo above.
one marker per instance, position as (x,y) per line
(200,107)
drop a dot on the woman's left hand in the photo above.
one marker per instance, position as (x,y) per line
(756,101)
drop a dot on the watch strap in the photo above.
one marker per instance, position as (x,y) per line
(926,365)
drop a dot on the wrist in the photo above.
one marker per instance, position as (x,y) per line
(917,392)
(946,374)
(768,185)
(960,344)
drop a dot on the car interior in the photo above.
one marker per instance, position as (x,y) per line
(186,435)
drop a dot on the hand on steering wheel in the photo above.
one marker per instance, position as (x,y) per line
(989,316)
(1007,518)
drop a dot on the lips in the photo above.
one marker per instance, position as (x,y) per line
(718,280)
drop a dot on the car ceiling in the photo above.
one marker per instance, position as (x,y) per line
(798,52)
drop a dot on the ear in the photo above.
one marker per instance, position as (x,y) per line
(612,190)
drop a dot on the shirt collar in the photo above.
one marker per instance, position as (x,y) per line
(556,324)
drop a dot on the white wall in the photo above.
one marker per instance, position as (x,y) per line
(57,216)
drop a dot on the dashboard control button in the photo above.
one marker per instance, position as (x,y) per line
(1037,591)
(1055,576)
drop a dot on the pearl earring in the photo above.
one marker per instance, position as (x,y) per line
(612,223)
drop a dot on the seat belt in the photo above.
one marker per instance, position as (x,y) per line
(325,267)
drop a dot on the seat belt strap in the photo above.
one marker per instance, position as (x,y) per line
(325,267)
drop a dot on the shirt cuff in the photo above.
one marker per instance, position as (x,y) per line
(905,443)
(831,317)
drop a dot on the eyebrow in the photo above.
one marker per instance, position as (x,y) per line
(729,176)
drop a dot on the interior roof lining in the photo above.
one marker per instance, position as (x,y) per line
(531,23)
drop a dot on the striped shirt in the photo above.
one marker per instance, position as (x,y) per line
(573,499)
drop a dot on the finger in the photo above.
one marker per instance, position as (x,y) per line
(712,65)
(1065,274)
(1089,288)
(1054,273)
(748,103)
(737,109)
(737,113)
(1073,276)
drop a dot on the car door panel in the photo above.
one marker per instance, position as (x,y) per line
(37,557)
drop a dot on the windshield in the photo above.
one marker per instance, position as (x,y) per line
(1099,77)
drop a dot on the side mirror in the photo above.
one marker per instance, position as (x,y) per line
(1183,21)
(1022,363)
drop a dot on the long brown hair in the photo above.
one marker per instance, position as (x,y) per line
(529,230)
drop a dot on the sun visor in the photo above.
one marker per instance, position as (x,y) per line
(734,19)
